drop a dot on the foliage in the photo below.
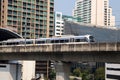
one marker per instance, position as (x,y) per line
(52,74)
(76,72)
(100,74)
(88,74)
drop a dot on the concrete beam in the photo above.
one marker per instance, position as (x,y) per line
(93,52)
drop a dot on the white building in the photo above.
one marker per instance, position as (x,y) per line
(59,23)
(28,70)
(95,12)
(111,20)
(10,71)
(17,70)
(112,71)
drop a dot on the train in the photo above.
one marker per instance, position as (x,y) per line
(54,40)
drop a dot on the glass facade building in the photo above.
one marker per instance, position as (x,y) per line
(71,18)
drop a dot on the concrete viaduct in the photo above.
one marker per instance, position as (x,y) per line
(97,52)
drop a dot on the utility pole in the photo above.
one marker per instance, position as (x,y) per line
(25,30)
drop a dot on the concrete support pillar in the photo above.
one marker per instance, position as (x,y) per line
(62,70)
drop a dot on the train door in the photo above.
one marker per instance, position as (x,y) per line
(71,39)
(48,41)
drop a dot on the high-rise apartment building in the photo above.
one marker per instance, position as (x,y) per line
(32,18)
(95,12)
(59,24)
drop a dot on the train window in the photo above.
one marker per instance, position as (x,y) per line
(16,43)
(9,43)
(47,41)
(92,39)
(62,41)
(21,42)
(13,43)
(40,42)
(81,40)
(29,42)
(56,41)
(67,40)
(37,42)
(4,43)
(52,41)
(77,40)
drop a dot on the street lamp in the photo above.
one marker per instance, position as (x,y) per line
(116,35)
(25,30)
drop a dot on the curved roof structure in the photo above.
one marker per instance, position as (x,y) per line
(8,34)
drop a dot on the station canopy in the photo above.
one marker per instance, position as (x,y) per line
(8,34)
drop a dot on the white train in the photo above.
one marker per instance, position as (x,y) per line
(67,39)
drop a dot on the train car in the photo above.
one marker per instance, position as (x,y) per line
(17,42)
(56,40)
(68,39)
(13,42)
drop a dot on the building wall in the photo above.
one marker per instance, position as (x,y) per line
(10,72)
(112,71)
(111,18)
(97,12)
(28,70)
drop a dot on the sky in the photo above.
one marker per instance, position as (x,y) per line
(66,7)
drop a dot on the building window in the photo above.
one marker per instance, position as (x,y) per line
(9,1)
(58,16)
(2,66)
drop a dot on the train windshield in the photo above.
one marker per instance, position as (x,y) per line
(91,39)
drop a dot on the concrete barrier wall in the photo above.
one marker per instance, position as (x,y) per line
(98,52)
(72,47)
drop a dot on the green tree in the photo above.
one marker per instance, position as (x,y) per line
(86,74)
(100,73)
(52,74)
(76,72)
